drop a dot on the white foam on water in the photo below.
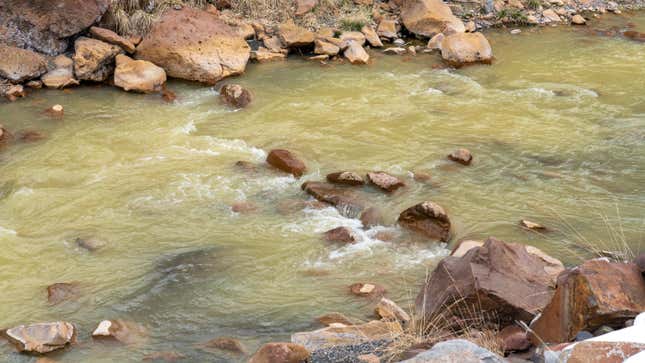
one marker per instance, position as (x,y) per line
(433,91)
(188,128)
(196,151)
(236,145)
(7,231)
(24,191)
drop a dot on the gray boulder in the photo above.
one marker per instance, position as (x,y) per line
(457,350)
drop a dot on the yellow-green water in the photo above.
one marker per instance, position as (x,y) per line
(156,182)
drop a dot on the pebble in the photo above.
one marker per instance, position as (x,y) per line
(515,31)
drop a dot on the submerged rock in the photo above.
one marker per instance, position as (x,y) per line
(429,17)
(18,65)
(340,234)
(371,217)
(367,289)
(55,111)
(503,280)
(286,161)
(427,218)
(588,297)
(126,332)
(90,244)
(45,25)
(61,74)
(461,48)
(385,181)
(63,291)
(461,156)
(334,318)
(94,59)
(343,198)
(524,223)
(42,337)
(346,178)
(280,353)
(235,95)
(224,343)
(456,350)
(30,136)
(195,45)
(168,356)
(111,37)
(138,75)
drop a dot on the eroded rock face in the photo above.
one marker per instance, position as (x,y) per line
(427,218)
(385,181)
(61,73)
(138,75)
(94,59)
(588,296)
(347,335)
(280,353)
(46,25)
(235,95)
(42,337)
(429,17)
(286,161)
(194,45)
(502,279)
(111,37)
(18,65)
(387,28)
(462,48)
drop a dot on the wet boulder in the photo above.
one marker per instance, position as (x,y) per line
(462,48)
(345,178)
(294,36)
(501,279)
(42,338)
(94,59)
(45,25)
(235,95)
(588,297)
(63,291)
(427,218)
(347,335)
(429,17)
(60,74)
(344,199)
(385,181)
(456,350)
(286,161)
(340,234)
(126,332)
(461,156)
(138,75)
(365,289)
(280,353)
(18,65)
(355,53)
(111,37)
(30,136)
(195,45)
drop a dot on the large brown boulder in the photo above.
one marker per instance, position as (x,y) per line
(280,353)
(138,75)
(94,59)
(19,65)
(596,293)
(195,45)
(61,73)
(42,337)
(462,48)
(46,25)
(500,280)
(286,161)
(427,218)
(429,17)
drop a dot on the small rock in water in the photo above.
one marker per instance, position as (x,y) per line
(286,161)
(29,136)
(126,332)
(578,20)
(371,217)
(280,353)
(63,291)
(14,92)
(168,95)
(435,42)
(412,50)
(394,50)
(516,31)
(461,156)
(532,225)
(367,289)
(340,234)
(41,337)
(385,181)
(346,178)
(55,111)
(224,343)
(421,176)
(334,318)
(583,335)
(5,135)
(399,42)
(90,244)
(243,207)
(235,95)
(168,356)
(427,218)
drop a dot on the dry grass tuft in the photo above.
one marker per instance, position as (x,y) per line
(134,17)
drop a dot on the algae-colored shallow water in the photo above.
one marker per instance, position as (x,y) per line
(557,127)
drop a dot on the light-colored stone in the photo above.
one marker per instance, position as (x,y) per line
(347,335)
(62,73)
(138,75)
(435,42)
(324,47)
(429,17)
(292,35)
(42,337)
(371,36)
(387,28)
(457,350)
(389,310)
(94,59)
(263,55)
(462,48)
(550,16)
(111,37)
(578,20)
(356,54)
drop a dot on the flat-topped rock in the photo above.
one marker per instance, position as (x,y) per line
(42,337)
(427,218)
